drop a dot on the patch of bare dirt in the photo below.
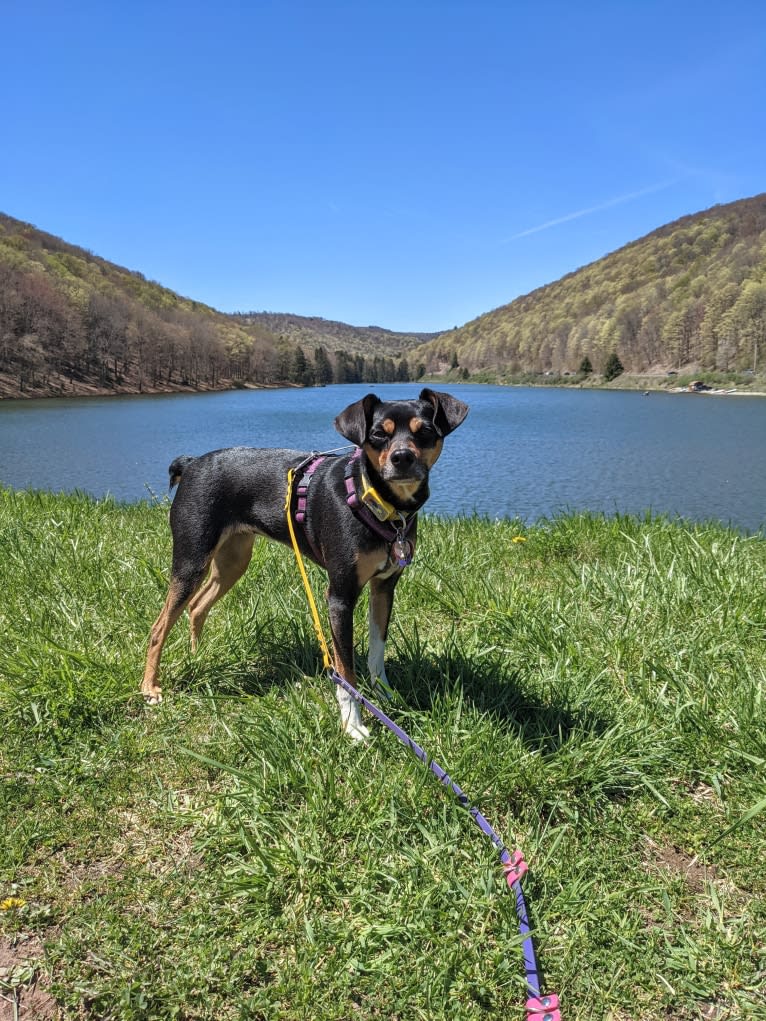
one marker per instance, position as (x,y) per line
(677,861)
(23,984)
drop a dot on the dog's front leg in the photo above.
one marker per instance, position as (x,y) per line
(341,608)
(381,602)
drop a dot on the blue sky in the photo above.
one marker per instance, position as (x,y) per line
(410,165)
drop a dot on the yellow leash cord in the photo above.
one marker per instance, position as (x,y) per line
(305,578)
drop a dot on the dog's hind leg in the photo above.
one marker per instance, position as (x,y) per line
(182,588)
(229,563)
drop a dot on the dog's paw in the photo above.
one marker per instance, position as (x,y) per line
(350,716)
(153,697)
(356,730)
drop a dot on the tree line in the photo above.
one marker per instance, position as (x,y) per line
(295,366)
(692,293)
(49,337)
(68,318)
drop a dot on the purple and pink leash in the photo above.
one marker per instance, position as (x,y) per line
(540,1006)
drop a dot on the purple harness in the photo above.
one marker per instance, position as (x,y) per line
(303,495)
(400,549)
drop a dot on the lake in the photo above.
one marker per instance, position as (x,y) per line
(522,452)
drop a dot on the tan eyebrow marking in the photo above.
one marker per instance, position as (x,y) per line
(415,424)
(389,426)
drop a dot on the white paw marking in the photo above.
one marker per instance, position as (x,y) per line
(356,732)
(350,716)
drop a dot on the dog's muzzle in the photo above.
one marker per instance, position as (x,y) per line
(403,464)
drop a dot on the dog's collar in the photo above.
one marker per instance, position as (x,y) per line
(371,498)
(379,515)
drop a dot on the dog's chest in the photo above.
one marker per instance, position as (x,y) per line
(385,569)
(374,564)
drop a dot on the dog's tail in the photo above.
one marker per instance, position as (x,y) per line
(176,469)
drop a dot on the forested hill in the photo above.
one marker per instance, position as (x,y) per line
(691,294)
(73,323)
(310,331)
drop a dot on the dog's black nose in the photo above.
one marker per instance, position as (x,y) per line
(402,457)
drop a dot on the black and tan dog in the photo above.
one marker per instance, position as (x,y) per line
(357,520)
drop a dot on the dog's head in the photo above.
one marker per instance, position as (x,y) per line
(402,439)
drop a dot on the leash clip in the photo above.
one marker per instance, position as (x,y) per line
(543,1008)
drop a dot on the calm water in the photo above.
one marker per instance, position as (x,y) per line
(521,452)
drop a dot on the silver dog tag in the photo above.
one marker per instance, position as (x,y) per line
(401,552)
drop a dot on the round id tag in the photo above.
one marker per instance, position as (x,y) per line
(401,552)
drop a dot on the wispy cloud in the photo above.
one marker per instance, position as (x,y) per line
(617,201)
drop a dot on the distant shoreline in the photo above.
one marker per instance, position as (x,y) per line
(65,390)
(79,389)
(625,384)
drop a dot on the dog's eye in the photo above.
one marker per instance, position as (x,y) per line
(378,436)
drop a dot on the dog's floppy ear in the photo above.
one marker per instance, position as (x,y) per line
(449,412)
(354,422)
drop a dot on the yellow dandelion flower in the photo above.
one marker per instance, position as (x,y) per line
(519,538)
(12,902)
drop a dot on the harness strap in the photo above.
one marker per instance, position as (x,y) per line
(303,487)
(327,659)
(385,530)
(301,510)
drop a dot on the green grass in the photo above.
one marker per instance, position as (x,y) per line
(597,690)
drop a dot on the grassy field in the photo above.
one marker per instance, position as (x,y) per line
(595,685)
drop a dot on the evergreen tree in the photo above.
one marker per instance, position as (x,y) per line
(300,370)
(322,367)
(586,367)
(343,371)
(613,367)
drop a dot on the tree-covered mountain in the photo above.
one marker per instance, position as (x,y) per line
(71,322)
(74,323)
(691,294)
(311,331)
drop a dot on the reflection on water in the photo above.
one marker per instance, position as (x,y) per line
(522,452)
